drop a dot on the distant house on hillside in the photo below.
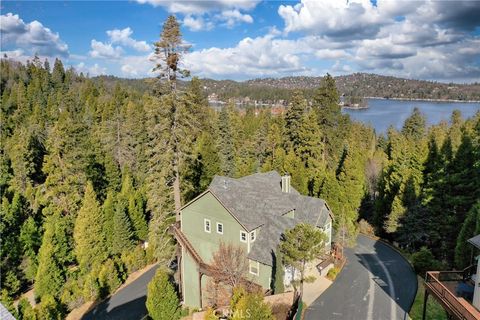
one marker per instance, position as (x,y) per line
(252,212)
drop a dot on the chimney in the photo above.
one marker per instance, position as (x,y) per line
(286,183)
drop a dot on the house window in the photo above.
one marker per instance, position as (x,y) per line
(252,236)
(206,225)
(254,267)
(243,236)
(219,227)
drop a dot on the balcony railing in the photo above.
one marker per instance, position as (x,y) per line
(442,284)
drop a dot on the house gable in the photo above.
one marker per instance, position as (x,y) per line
(224,227)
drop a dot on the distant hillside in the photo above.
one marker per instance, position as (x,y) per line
(357,84)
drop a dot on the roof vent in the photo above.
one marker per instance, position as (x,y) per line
(286,183)
(224,184)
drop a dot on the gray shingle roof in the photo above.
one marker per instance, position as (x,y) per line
(5,314)
(263,249)
(257,200)
(475,241)
(252,199)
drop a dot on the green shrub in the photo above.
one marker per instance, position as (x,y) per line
(135,259)
(7,301)
(424,260)
(108,278)
(49,308)
(72,294)
(245,305)
(162,300)
(210,314)
(91,288)
(333,273)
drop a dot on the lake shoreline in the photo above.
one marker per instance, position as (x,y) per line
(426,100)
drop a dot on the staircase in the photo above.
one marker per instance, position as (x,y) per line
(182,239)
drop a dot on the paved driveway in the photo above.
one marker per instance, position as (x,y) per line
(376,283)
(126,304)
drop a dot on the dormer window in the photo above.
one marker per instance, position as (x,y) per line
(207,225)
(243,236)
(253,236)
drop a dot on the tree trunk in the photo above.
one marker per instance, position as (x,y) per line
(176,193)
(302,275)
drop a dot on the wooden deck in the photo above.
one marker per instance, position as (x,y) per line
(442,286)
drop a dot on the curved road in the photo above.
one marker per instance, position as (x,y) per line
(376,283)
(126,304)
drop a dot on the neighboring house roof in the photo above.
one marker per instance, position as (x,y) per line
(475,241)
(257,200)
(5,314)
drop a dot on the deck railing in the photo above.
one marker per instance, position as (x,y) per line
(457,307)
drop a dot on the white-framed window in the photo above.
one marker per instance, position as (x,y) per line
(328,226)
(207,226)
(219,228)
(253,236)
(243,236)
(254,267)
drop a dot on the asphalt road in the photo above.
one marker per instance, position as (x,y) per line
(375,284)
(128,303)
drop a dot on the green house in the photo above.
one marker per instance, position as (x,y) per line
(251,212)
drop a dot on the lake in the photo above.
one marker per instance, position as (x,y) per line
(383,113)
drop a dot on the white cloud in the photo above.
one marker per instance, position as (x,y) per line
(257,57)
(415,39)
(118,39)
(204,14)
(232,17)
(200,6)
(33,37)
(337,19)
(122,37)
(331,54)
(197,23)
(104,50)
(137,66)
(92,71)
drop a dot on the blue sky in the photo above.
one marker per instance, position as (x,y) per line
(244,39)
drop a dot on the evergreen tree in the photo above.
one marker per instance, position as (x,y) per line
(414,126)
(226,142)
(294,119)
(58,73)
(136,211)
(162,301)
(205,165)
(64,166)
(108,224)
(470,228)
(311,152)
(90,248)
(177,121)
(51,257)
(300,246)
(122,228)
(332,124)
